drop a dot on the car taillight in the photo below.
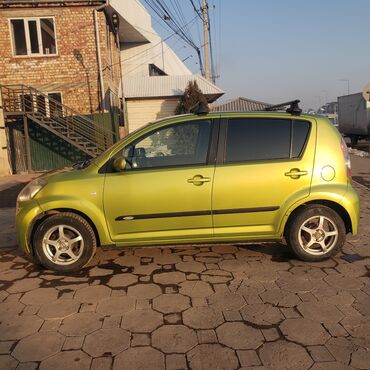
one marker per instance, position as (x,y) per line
(347,159)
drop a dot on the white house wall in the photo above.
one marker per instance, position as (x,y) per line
(134,19)
(148,48)
(143,111)
(137,57)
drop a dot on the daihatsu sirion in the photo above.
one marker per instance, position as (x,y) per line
(198,178)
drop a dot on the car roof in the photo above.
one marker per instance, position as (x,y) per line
(272,114)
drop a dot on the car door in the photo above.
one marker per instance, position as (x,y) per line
(165,191)
(264,164)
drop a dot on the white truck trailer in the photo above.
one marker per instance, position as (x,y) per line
(354,116)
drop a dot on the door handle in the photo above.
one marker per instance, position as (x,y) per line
(198,180)
(296,173)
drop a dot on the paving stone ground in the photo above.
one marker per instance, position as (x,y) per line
(190,307)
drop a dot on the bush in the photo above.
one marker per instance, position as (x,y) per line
(192,95)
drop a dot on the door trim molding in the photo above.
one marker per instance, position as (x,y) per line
(196,213)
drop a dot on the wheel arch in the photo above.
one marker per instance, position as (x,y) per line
(51,212)
(323,202)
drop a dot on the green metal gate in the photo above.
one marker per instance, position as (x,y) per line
(49,151)
(16,146)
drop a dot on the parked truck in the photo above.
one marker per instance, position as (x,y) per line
(354,117)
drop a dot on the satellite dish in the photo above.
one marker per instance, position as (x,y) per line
(366,92)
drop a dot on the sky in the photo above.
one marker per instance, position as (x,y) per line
(274,51)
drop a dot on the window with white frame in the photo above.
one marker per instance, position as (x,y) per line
(33,36)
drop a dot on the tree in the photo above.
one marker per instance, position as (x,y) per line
(192,95)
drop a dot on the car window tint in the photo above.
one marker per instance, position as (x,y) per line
(255,139)
(176,145)
(300,135)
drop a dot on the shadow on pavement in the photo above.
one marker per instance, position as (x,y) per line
(362,181)
(278,251)
(8,197)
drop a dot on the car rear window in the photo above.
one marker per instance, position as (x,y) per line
(261,139)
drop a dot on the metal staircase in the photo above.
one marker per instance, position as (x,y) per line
(62,121)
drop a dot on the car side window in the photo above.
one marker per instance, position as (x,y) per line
(180,144)
(300,135)
(261,139)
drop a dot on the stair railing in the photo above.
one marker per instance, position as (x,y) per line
(21,99)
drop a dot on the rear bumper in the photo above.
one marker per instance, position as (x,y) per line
(27,214)
(351,203)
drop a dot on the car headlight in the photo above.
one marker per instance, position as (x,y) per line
(30,190)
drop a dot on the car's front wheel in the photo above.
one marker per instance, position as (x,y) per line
(316,233)
(64,242)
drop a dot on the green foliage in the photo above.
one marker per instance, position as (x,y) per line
(192,95)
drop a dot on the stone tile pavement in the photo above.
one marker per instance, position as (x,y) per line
(190,307)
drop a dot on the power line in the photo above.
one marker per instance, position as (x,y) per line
(170,20)
(155,45)
(145,50)
(177,6)
(197,11)
(149,59)
(152,47)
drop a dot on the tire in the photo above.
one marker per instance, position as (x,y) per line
(307,233)
(54,250)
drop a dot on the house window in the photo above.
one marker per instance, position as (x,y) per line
(33,36)
(155,71)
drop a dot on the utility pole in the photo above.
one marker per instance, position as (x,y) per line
(207,68)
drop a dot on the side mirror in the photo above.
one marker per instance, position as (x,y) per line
(119,164)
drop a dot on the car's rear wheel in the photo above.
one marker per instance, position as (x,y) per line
(64,242)
(316,233)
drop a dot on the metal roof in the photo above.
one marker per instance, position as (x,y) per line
(240,105)
(167,86)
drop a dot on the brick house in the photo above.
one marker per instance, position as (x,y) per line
(77,74)
(60,77)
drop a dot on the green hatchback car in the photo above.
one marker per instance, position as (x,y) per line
(198,178)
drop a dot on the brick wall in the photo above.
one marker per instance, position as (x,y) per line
(74,70)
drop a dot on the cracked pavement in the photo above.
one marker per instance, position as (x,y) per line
(190,307)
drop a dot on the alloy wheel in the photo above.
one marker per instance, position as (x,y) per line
(63,244)
(318,235)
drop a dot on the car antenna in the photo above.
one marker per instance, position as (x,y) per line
(292,109)
(200,108)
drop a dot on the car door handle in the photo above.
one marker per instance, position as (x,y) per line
(198,180)
(296,173)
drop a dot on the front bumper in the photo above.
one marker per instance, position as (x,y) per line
(27,214)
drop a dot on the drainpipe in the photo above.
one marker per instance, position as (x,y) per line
(100,69)
(125,120)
